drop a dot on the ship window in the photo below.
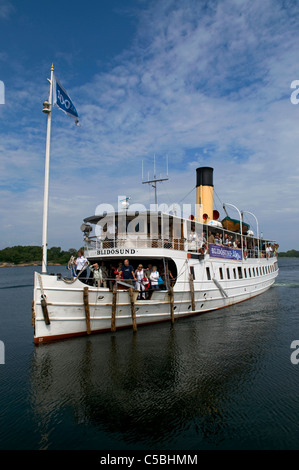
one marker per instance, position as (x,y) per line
(245,272)
(208,274)
(192,272)
(249,270)
(257,271)
(240,272)
(221,273)
(235,275)
(261,271)
(253,272)
(227,273)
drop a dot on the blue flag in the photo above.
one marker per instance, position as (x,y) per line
(63,101)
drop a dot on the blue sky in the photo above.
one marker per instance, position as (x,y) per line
(207,83)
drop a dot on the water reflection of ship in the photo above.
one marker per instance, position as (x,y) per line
(147,392)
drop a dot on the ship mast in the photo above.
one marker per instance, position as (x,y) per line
(155,180)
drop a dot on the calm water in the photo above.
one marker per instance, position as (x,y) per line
(223,380)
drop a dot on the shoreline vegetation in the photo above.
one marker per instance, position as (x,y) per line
(32,256)
(288,254)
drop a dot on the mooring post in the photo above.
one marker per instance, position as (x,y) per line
(133,312)
(86,308)
(114,298)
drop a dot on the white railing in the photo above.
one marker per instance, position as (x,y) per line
(180,244)
(94,243)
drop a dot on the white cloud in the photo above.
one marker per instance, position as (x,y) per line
(6,9)
(207,84)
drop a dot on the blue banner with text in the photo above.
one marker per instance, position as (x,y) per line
(217,251)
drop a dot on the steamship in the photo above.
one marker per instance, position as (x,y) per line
(207,264)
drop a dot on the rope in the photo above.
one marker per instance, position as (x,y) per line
(70,265)
(41,286)
(187,195)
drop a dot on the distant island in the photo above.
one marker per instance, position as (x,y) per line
(288,254)
(32,256)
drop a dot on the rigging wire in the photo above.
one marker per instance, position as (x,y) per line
(187,195)
(221,203)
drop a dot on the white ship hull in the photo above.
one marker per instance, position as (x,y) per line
(217,284)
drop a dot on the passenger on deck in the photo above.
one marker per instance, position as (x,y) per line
(81,262)
(117,272)
(269,251)
(203,244)
(167,276)
(256,250)
(211,238)
(97,275)
(154,276)
(226,240)
(217,239)
(140,276)
(192,240)
(148,270)
(128,272)
(105,275)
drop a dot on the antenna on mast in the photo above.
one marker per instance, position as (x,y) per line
(155,180)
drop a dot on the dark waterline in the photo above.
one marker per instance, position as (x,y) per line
(223,380)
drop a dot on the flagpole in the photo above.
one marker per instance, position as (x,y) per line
(48,110)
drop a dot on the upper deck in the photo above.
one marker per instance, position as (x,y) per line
(157,234)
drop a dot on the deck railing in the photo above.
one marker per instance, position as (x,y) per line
(94,243)
(180,244)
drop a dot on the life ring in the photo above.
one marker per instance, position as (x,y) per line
(203,249)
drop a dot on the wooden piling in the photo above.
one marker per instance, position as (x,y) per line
(43,301)
(133,312)
(45,310)
(113,314)
(192,291)
(171,300)
(33,313)
(86,308)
